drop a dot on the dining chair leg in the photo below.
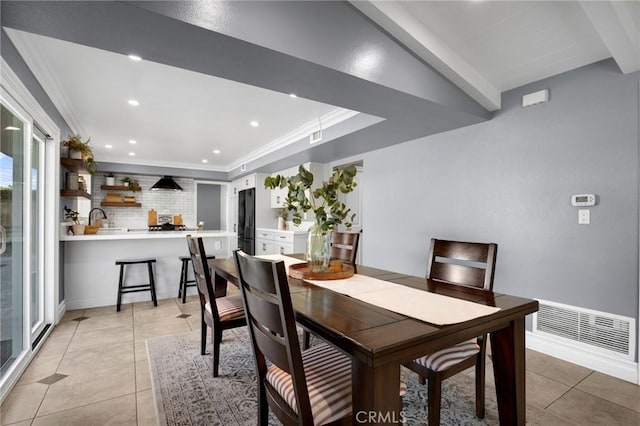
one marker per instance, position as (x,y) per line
(434,393)
(306,338)
(203,335)
(263,406)
(480,387)
(217,339)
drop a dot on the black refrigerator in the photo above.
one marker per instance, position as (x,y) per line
(247,220)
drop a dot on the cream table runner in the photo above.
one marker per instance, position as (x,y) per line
(423,305)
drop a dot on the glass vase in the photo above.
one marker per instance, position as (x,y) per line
(318,243)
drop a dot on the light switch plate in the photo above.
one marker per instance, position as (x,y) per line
(584,216)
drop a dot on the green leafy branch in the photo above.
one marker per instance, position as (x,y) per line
(323,201)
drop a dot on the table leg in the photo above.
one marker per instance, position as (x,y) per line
(507,351)
(219,285)
(376,394)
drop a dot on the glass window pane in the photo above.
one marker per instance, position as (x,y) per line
(12,233)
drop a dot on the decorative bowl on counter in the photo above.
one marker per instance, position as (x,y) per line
(91,229)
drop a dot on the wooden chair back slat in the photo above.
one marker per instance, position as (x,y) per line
(458,274)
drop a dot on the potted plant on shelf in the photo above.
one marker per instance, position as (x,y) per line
(79,150)
(74,216)
(130,182)
(323,201)
(110,179)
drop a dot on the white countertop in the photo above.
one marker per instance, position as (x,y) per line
(143,235)
(295,231)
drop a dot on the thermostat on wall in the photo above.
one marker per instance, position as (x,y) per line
(583,200)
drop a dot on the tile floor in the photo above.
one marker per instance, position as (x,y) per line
(93,370)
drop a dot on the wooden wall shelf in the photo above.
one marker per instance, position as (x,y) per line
(119,188)
(108,204)
(70,193)
(74,165)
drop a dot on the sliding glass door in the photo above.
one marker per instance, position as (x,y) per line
(36,260)
(12,233)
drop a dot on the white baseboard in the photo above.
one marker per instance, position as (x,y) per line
(126,298)
(621,369)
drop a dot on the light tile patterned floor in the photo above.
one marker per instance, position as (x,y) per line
(95,371)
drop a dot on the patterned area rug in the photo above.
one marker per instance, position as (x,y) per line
(186,392)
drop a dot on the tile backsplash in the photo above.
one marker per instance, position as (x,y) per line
(164,202)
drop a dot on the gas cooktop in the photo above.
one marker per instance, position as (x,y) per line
(168,227)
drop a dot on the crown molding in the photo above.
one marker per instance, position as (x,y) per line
(12,84)
(330,119)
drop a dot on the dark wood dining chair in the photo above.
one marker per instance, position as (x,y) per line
(460,264)
(218,311)
(309,387)
(344,246)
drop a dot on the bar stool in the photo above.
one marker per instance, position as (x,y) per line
(150,286)
(184,281)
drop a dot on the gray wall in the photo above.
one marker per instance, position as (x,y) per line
(208,205)
(509,181)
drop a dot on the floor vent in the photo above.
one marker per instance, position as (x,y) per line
(601,332)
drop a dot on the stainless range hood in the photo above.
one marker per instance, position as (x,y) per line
(166,183)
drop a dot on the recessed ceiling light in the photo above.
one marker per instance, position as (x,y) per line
(293,95)
(108,146)
(12,128)
(254,124)
(216,151)
(205,160)
(135,58)
(132,141)
(133,154)
(133,102)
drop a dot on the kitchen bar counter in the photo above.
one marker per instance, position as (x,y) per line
(91,276)
(143,234)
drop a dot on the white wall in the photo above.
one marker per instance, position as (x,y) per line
(510,180)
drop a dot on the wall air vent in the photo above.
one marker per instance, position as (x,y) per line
(594,331)
(534,98)
(315,136)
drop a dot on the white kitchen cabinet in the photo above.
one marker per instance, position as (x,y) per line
(247,182)
(236,187)
(271,241)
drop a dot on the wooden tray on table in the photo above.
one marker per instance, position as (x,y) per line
(337,270)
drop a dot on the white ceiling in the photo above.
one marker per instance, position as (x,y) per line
(182,117)
(484,47)
(487,47)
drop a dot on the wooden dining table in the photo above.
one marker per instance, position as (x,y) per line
(379,341)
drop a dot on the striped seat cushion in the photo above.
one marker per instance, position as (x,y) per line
(229,307)
(445,358)
(328,374)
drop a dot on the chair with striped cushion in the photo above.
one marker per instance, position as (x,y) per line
(459,264)
(218,311)
(311,387)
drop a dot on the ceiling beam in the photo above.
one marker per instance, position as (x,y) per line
(392,17)
(618,28)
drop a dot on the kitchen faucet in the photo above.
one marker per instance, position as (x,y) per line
(104,215)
